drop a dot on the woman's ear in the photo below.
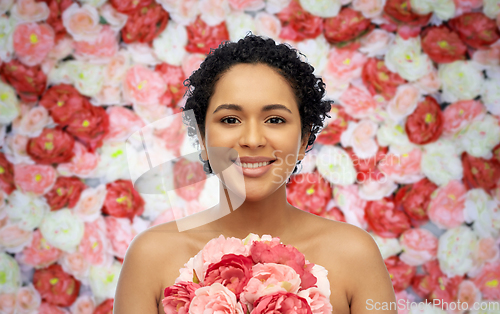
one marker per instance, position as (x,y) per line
(303,146)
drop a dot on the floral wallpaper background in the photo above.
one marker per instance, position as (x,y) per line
(411,152)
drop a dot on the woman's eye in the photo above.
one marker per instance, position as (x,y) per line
(277,118)
(228,118)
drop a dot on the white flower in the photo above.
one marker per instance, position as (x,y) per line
(491,8)
(369,8)
(82,23)
(7,27)
(376,43)
(483,211)
(360,136)
(169,45)
(86,77)
(239,24)
(103,280)
(183,12)
(275,6)
(94,3)
(393,134)
(113,163)
(9,104)
(461,80)
(490,94)
(88,207)
(440,162)
(335,165)
(322,8)
(404,102)
(10,274)
(26,210)
(316,51)
(388,246)
(115,19)
(214,12)
(41,8)
(444,9)
(267,25)
(62,229)
(405,57)
(422,6)
(322,282)
(372,190)
(481,136)
(454,251)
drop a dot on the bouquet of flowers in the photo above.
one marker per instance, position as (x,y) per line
(254,275)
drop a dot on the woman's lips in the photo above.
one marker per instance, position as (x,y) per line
(254,172)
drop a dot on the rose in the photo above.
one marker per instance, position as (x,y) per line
(459,115)
(358,102)
(122,200)
(400,11)
(6,175)
(189,179)
(351,204)
(63,101)
(177,297)
(14,239)
(51,146)
(27,11)
(65,192)
(425,124)
(454,249)
(122,123)
(142,85)
(216,296)
(297,24)
(82,165)
(379,80)
(202,37)
(475,29)
(486,278)
(419,246)
(57,7)
(102,49)
(55,286)
(401,273)
(37,179)
(414,199)
(39,253)
(330,135)
(282,302)
(89,126)
(233,272)
(384,219)
(347,26)
(32,42)
(461,81)
(443,45)
(309,192)
(480,172)
(29,82)
(62,229)
(82,22)
(146,24)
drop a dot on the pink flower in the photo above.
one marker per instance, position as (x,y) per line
(29,11)
(143,86)
(488,57)
(344,65)
(287,303)
(468,293)
(318,302)
(122,123)
(376,42)
(460,114)
(267,25)
(47,308)
(15,145)
(404,102)
(40,253)
(82,22)
(358,102)
(178,297)
(82,164)
(34,121)
(268,279)
(464,6)
(247,5)
(403,168)
(214,299)
(404,295)
(101,49)
(447,205)
(419,246)
(84,304)
(8,303)
(32,42)
(76,265)
(95,245)
(369,8)
(14,239)
(361,137)
(89,205)
(351,204)
(120,234)
(487,250)
(38,179)
(28,299)
(233,272)
(488,281)
(191,62)
(430,82)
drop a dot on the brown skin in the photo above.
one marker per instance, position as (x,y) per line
(356,270)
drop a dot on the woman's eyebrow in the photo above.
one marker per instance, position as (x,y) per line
(239,108)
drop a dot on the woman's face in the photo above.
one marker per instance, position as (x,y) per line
(251,130)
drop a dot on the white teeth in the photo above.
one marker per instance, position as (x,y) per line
(252,165)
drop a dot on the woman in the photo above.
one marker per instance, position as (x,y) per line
(260,100)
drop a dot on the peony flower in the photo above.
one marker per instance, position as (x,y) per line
(26,210)
(214,298)
(401,273)
(101,50)
(89,127)
(29,82)
(443,45)
(343,66)
(143,86)
(351,204)
(336,124)
(84,304)
(169,46)
(39,253)
(86,77)
(62,229)
(425,124)
(146,24)
(9,106)
(316,50)
(322,8)
(480,137)
(309,192)
(95,246)
(379,80)
(28,299)
(267,24)
(404,168)
(405,58)
(6,175)
(369,8)
(481,210)
(487,281)
(346,27)
(385,220)
(414,199)
(120,234)
(178,297)
(11,273)
(461,80)
(115,19)
(480,172)
(319,303)
(122,200)
(51,146)
(447,205)
(443,9)
(76,265)
(113,164)
(388,246)
(358,102)
(32,42)
(298,24)
(182,12)
(400,11)
(360,136)
(372,189)
(459,115)
(247,5)
(28,11)
(55,286)
(440,162)
(13,239)
(82,165)
(65,192)
(404,102)
(283,302)
(454,249)
(47,308)
(419,246)
(233,272)
(103,280)
(7,27)
(214,12)
(475,29)
(490,94)
(202,37)
(82,22)
(335,165)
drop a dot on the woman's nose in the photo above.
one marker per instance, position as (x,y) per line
(252,135)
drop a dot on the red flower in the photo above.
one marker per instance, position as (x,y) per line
(89,126)
(309,192)
(379,80)
(443,45)
(29,82)
(347,26)
(400,12)
(425,124)
(480,172)
(435,284)
(55,286)
(6,175)
(202,37)
(179,296)
(367,168)
(63,101)
(298,24)
(401,273)
(65,193)
(129,6)
(174,77)
(281,302)
(233,272)
(330,135)
(189,179)
(475,29)
(106,307)
(414,199)
(51,146)
(488,281)
(385,220)
(57,7)
(146,24)
(122,200)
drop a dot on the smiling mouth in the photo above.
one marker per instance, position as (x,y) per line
(240,164)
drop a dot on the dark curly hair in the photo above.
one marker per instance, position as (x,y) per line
(309,89)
